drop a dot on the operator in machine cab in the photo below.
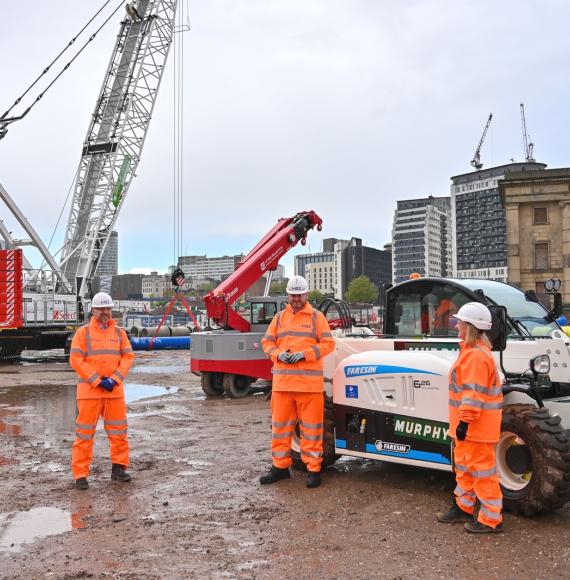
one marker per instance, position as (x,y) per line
(475,410)
(297,340)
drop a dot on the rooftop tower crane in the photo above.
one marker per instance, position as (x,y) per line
(476,161)
(527,143)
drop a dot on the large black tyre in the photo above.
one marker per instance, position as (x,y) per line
(329,456)
(212,384)
(237,386)
(533,460)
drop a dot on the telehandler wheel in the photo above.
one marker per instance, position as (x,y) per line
(212,384)
(237,386)
(329,456)
(533,460)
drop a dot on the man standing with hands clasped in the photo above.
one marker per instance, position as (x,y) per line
(297,340)
(102,355)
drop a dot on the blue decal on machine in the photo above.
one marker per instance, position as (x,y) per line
(410,453)
(351,391)
(363,370)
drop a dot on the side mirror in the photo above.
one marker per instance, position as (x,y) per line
(498,332)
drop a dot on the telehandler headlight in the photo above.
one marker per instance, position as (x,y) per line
(540,364)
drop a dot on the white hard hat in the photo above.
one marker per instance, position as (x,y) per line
(476,314)
(297,285)
(102,300)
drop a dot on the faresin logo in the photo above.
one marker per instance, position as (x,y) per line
(420,429)
(363,370)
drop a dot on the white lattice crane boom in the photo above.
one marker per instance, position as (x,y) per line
(116,135)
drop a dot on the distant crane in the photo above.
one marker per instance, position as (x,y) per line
(476,161)
(527,143)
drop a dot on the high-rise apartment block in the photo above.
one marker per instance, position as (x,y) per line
(109,262)
(421,238)
(479,223)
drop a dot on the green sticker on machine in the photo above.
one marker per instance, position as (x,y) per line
(422,429)
(120,184)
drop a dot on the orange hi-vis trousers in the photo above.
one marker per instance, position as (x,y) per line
(308,408)
(476,476)
(114,413)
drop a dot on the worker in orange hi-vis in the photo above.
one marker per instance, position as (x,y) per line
(297,340)
(102,355)
(475,411)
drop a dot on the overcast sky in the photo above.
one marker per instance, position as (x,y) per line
(340,106)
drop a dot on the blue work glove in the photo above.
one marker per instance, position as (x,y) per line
(284,357)
(107,384)
(296,357)
(461,431)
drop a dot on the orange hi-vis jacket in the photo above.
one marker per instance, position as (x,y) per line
(475,394)
(100,352)
(307,331)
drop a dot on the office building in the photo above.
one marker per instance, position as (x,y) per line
(421,240)
(216,268)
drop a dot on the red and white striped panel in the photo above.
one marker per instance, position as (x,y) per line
(11,297)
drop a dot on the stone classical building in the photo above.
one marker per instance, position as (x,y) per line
(537,205)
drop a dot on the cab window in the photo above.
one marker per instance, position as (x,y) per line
(262,312)
(425,309)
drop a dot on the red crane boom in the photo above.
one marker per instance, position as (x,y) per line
(262,258)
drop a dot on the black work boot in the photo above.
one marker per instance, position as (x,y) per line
(275,474)
(476,527)
(81,483)
(118,473)
(454,515)
(314,479)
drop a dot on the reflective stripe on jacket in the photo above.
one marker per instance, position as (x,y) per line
(475,394)
(100,352)
(307,331)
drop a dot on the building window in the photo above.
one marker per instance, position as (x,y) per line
(541,257)
(540,215)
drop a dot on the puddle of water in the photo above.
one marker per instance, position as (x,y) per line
(52,409)
(189,473)
(135,392)
(20,528)
(161,370)
(195,462)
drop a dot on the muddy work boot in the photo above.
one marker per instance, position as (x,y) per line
(454,515)
(118,473)
(476,527)
(314,479)
(275,474)
(81,483)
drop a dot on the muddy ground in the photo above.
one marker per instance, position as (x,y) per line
(195,508)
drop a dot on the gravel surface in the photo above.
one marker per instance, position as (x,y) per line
(195,507)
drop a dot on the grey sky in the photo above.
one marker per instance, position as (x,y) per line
(338,106)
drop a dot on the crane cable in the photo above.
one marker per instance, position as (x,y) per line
(178,133)
(38,98)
